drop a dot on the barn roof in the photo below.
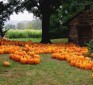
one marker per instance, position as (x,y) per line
(70,19)
(79,13)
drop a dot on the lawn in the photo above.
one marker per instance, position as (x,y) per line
(64,40)
(48,72)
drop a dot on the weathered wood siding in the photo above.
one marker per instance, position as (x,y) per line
(85,19)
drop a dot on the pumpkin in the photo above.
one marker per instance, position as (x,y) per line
(10,56)
(91,54)
(23,60)
(37,56)
(7,64)
(36,60)
(77,64)
(92,75)
(91,63)
(72,62)
(88,66)
(82,66)
(17,58)
(30,61)
(54,55)
(92,69)
(31,54)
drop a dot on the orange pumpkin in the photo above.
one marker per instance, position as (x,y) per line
(72,62)
(82,66)
(92,75)
(54,55)
(36,60)
(91,54)
(7,64)
(17,58)
(23,60)
(91,63)
(37,56)
(92,69)
(10,56)
(31,54)
(30,61)
(88,66)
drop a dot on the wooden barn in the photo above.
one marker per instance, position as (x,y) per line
(81,27)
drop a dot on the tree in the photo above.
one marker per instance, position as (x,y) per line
(34,24)
(43,9)
(29,26)
(9,26)
(21,26)
(6,9)
(2,18)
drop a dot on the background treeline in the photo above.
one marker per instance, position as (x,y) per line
(22,25)
(32,29)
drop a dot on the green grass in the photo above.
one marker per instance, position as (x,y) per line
(64,40)
(48,72)
(27,39)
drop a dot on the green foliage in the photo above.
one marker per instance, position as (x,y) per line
(59,33)
(59,19)
(90,46)
(4,15)
(24,33)
(29,26)
(21,26)
(34,24)
(9,26)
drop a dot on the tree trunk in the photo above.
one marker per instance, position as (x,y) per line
(45,29)
(1,33)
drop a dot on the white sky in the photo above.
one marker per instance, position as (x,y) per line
(22,16)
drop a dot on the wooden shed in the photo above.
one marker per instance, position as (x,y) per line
(81,27)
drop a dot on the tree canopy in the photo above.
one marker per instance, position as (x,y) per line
(46,8)
(6,9)
(59,19)
(40,8)
(4,15)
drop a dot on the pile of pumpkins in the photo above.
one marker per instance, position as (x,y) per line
(28,53)
(25,58)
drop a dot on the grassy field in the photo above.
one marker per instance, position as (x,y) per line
(27,39)
(48,72)
(64,40)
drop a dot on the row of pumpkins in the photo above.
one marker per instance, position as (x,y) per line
(28,53)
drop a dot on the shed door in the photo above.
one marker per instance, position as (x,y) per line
(84,35)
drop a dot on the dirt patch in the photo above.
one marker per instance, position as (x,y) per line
(31,72)
(42,78)
(11,74)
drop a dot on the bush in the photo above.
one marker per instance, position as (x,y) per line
(90,46)
(24,33)
(58,34)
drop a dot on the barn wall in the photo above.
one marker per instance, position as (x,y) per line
(92,33)
(73,35)
(86,18)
